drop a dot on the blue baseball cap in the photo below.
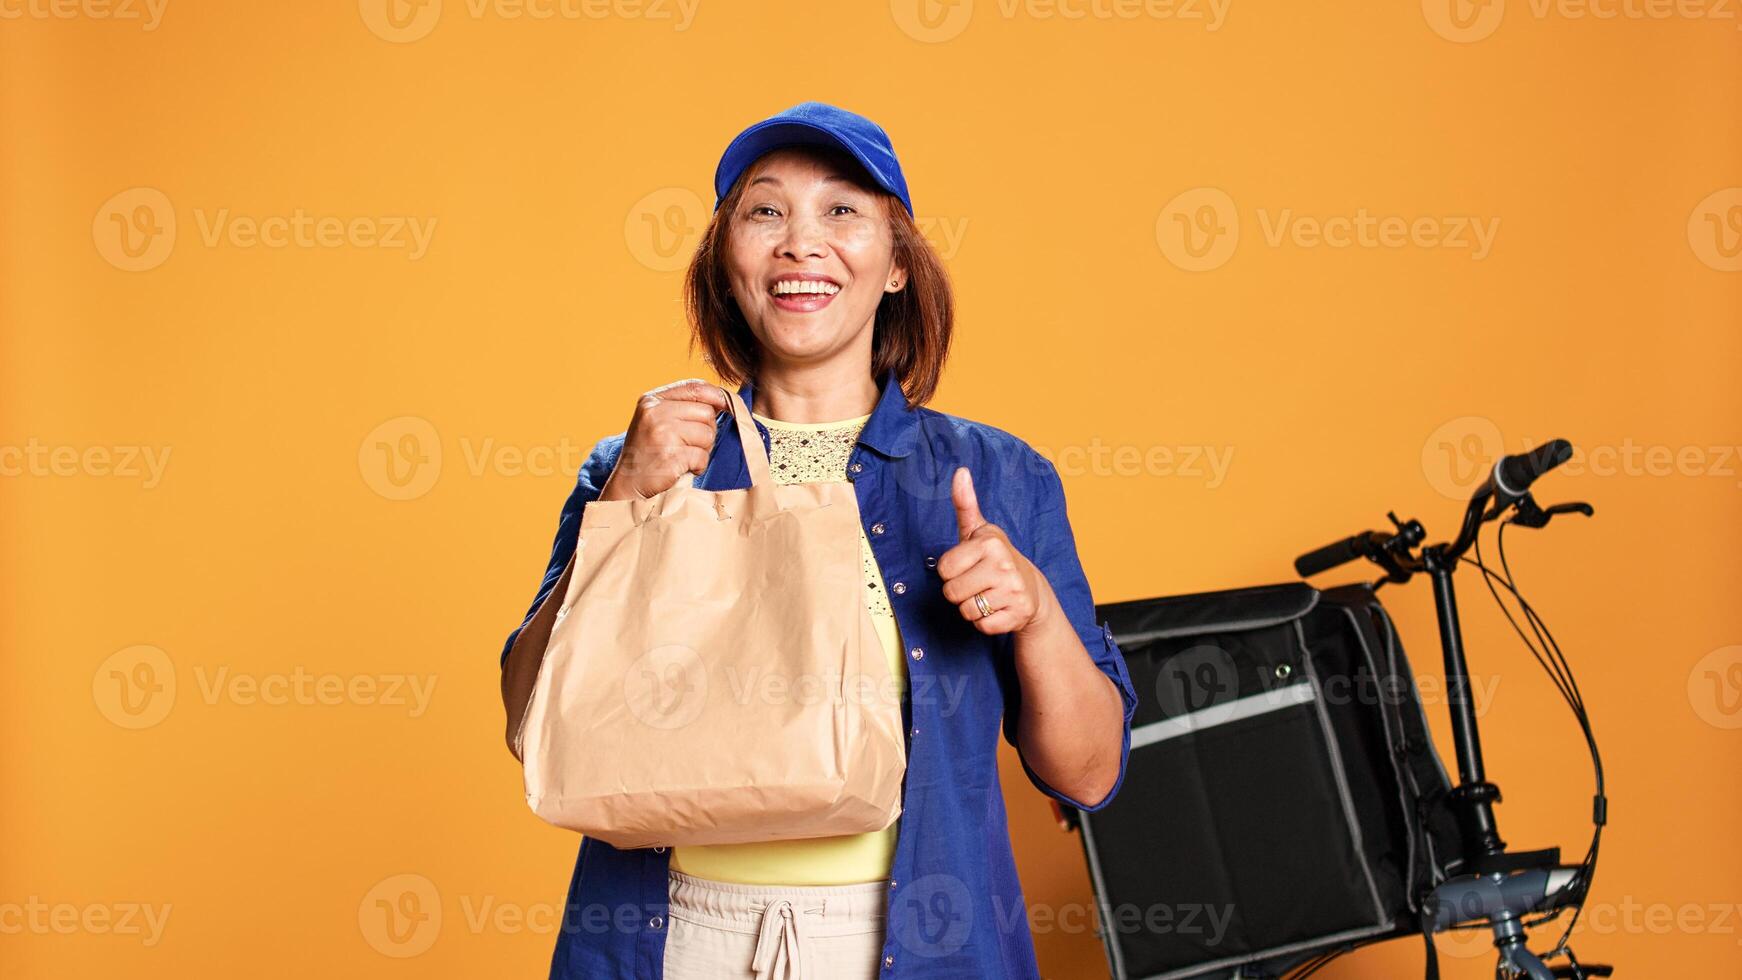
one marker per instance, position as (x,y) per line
(815,124)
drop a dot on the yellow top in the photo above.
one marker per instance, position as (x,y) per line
(807,452)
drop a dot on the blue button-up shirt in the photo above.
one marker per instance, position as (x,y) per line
(955,905)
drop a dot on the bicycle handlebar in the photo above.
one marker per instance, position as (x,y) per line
(1507,483)
(1514,474)
(1334,554)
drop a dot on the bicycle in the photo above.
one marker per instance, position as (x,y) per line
(1509,892)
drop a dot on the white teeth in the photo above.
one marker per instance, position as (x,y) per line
(787,287)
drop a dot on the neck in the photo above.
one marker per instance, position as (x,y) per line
(815,394)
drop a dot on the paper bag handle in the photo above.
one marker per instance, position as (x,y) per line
(755,454)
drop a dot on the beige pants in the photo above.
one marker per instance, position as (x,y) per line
(723,930)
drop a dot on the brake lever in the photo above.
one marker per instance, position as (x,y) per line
(1529,514)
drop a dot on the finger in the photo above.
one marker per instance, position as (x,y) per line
(693,390)
(690,432)
(1003,618)
(698,460)
(959,558)
(685,409)
(968,517)
(981,576)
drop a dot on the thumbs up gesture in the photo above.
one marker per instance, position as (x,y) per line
(992,584)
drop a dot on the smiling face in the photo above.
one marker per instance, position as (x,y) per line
(809,255)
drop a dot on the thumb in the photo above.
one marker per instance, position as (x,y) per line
(968,517)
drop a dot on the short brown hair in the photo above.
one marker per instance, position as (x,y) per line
(911,335)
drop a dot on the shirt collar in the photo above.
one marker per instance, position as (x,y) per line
(888,430)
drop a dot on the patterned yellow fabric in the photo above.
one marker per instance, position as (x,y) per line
(806,452)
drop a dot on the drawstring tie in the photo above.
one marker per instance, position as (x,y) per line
(780,942)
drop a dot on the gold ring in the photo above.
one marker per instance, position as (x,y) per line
(980,600)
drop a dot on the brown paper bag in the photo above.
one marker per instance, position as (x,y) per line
(712,674)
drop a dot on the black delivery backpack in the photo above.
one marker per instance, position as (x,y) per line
(1283,798)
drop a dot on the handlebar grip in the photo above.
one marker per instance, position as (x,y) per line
(1331,555)
(1515,474)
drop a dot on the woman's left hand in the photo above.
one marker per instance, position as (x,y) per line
(986,563)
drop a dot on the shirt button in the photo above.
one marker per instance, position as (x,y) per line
(900,588)
(856,467)
(931,561)
(892,882)
(888,961)
(877,528)
(918,653)
(659,850)
(655,922)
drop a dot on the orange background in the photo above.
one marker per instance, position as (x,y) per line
(564,165)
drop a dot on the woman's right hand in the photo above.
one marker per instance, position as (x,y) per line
(671,433)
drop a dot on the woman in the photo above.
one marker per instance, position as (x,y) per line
(813,290)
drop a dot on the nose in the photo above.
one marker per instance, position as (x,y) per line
(801,237)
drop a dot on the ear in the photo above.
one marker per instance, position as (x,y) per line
(897,280)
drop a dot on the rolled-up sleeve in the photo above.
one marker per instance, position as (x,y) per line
(1053,549)
(589,483)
